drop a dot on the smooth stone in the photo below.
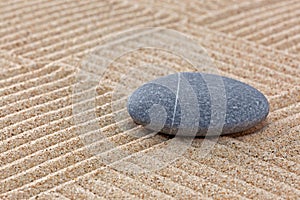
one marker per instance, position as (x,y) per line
(164,103)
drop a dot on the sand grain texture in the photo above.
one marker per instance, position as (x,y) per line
(42,47)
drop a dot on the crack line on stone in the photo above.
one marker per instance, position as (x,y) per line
(176,99)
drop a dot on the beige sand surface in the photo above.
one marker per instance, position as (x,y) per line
(42,47)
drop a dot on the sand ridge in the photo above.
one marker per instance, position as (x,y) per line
(42,46)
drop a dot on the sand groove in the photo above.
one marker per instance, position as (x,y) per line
(44,36)
(271,25)
(41,19)
(235,22)
(48,149)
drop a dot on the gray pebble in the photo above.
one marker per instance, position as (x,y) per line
(190,103)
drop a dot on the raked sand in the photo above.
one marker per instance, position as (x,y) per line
(54,130)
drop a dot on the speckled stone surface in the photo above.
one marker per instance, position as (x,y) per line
(158,102)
